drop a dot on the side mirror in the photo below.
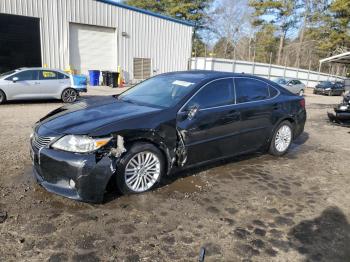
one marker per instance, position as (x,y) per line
(192,111)
(289,84)
(15,79)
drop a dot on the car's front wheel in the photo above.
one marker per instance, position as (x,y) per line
(282,139)
(2,97)
(140,169)
(69,95)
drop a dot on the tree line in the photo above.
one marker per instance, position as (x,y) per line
(294,33)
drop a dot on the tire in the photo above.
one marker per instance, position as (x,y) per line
(69,95)
(2,97)
(301,92)
(279,150)
(132,180)
(330,93)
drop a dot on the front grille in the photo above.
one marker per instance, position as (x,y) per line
(41,141)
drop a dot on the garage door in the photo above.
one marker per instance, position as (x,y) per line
(19,42)
(92,47)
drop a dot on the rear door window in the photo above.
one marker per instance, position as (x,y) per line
(251,90)
(47,75)
(28,75)
(217,93)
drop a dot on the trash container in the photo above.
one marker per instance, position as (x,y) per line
(94,76)
(105,78)
(79,82)
(114,79)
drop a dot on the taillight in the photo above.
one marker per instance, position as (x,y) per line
(302,103)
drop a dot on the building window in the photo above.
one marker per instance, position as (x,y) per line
(142,68)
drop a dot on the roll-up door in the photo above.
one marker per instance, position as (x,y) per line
(92,47)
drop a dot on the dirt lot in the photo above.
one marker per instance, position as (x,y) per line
(252,208)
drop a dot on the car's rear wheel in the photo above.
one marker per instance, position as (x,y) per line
(140,170)
(69,95)
(2,97)
(282,139)
(330,93)
(301,92)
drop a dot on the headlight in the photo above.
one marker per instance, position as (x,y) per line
(80,144)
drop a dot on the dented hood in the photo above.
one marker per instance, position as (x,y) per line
(88,115)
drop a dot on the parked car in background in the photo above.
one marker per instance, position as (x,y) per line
(330,88)
(38,83)
(293,85)
(168,122)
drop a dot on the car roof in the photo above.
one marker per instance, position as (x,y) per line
(209,74)
(38,68)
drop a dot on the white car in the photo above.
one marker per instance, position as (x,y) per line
(293,85)
(37,83)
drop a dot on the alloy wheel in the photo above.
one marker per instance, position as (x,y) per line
(69,96)
(142,171)
(301,92)
(283,138)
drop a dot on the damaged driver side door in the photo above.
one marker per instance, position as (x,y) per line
(205,122)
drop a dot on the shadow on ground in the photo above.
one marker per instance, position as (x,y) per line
(112,192)
(38,101)
(325,238)
(301,139)
(177,174)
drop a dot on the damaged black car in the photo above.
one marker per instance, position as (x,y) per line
(169,122)
(341,113)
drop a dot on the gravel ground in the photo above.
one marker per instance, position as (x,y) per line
(252,208)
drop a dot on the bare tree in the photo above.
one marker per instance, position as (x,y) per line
(230,20)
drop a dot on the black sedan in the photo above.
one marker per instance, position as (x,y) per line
(171,121)
(330,88)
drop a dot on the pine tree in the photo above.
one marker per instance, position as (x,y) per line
(224,48)
(189,10)
(282,14)
(337,25)
(266,44)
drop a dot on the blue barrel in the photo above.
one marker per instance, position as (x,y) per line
(79,80)
(94,76)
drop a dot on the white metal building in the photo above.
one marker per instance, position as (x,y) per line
(91,34)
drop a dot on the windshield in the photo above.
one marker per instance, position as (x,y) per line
(8,73)
(280,81)
(325,84)
(160,91)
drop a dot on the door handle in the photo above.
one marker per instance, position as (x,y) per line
(276,106)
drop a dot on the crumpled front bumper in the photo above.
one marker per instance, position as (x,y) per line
(339,117)
(82,177)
